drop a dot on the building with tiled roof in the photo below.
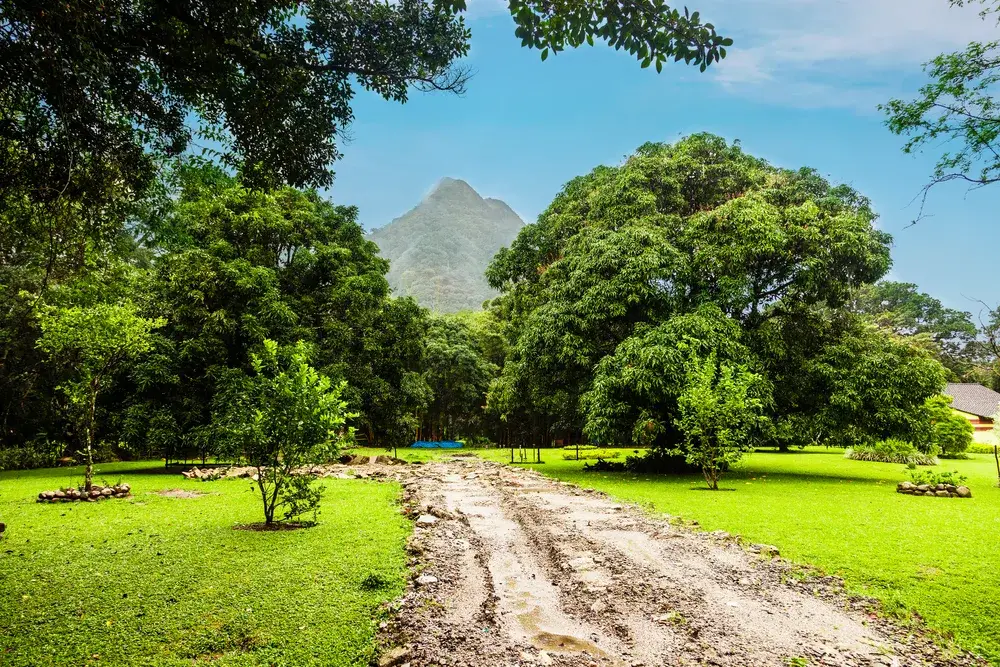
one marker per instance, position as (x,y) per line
(975,402)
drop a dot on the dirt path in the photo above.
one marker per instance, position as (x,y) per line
(513,568)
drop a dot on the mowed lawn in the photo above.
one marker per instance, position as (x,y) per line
(156,580)
(939,557)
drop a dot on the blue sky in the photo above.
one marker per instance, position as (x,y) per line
(799,88)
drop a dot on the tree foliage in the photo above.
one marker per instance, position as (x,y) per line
(279,418)
(873,385)
(458,374)
(693,245)
(265,86)
(94,342)
(948,432)
(243,266)
(718,409)
(956,109)
(948,334)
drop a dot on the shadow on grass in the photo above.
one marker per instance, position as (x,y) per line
(121,468)
(798,452)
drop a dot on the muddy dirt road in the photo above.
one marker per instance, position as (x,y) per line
(513,568)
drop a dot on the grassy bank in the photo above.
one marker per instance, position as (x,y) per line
(162,581)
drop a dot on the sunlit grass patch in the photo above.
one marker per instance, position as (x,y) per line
(165,580)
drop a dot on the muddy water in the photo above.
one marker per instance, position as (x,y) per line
(529,601)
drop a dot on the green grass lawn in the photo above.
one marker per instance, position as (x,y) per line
(938,557)
(167,581)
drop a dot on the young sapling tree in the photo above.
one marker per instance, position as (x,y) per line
(717,412)
(281,417)
(94,342)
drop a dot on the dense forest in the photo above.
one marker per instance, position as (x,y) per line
(691,289)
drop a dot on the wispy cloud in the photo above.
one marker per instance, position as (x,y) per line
(836,52)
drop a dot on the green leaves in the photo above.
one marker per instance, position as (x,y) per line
(648,30)
(957,108)
(693,247)
(282,416)
(96,339)
(718,410)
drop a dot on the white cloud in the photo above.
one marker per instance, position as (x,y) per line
(836,52)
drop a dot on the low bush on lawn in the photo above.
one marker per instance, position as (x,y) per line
(891,450)
(980,448)
(933,478)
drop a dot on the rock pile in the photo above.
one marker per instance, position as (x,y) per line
(210,474)
(939,490)
(75,495)
(320,470)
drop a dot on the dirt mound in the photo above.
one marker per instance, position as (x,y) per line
(517,569)
(179,493)
(360,460)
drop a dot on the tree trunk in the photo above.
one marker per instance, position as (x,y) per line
(996,456)
(711,476)
(268,511)
(89,475)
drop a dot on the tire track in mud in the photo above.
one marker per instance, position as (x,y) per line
(513,568)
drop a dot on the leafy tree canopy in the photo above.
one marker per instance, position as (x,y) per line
(873,385)
(266,85)
(243,266)
(675,229)
(458,374)
(948,333)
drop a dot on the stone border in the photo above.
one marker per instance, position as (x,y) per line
(938,490)
(75,495)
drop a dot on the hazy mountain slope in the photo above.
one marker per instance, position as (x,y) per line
(439,250)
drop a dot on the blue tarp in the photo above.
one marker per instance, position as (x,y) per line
(444,444)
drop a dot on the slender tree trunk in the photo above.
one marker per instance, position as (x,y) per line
(274,493)
(268,512)
(89,475)
(996,456)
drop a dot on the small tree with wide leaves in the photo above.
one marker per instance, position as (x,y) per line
(94,342)
(279,418)
(718,410)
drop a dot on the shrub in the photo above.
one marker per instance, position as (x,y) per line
(28,457)
(980,448)
(603,465)
(934,478)
(718,409)
(947,432)
(891,450)
(654,461)
(590,455)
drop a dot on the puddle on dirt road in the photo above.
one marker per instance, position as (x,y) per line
(527,599)
(555,643)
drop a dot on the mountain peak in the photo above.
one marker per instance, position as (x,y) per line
(439,249)
(452,187)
